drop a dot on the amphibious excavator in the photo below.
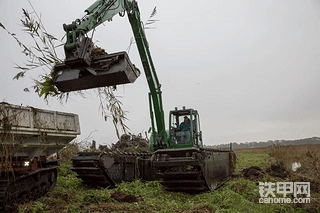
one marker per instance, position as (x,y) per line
(178,158)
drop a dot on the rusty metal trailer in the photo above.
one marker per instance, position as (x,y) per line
(28,137)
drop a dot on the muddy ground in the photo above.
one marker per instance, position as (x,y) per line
(123,197)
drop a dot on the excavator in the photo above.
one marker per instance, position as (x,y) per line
(178,158)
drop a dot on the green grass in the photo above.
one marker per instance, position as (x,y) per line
(247,159)
(237,195)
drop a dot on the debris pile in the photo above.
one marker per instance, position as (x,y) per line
(277,170)
(97,51)
(129,143)
(253,173)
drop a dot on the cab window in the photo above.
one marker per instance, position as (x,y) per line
(181,126)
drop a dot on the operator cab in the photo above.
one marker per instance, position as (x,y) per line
(185,128)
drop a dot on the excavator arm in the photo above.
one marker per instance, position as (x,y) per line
(83,71)
(78,47)
(155,95)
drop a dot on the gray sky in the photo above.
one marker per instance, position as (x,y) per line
(251,67)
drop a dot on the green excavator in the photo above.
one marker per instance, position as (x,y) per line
(178,158)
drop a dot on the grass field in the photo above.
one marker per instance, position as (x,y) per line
(240,194)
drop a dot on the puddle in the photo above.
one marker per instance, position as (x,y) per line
(295,166)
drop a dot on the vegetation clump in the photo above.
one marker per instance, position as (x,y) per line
(129,143)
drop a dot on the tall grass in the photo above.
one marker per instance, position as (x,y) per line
(307,155)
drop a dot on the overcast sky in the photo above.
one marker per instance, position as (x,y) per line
(250,67)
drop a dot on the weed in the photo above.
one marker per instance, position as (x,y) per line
(311,162)
(96,196)
(239,186)
(64,169)
(35,207)
(69,151)
(73,209)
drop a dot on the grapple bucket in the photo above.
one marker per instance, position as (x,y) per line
(104,70)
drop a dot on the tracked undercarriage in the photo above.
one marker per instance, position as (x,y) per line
(106,169)
(193,170)
(189,170)
(21,187)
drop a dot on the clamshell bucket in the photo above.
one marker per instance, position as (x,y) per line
(104,70)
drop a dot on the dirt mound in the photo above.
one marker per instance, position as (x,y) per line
(253,173)
(128,143)
(123,197)
(277,170)
(257,173)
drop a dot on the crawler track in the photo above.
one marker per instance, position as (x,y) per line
(22,188)
(203,170)
(88,169)
(101,169)
(182,179)
(189,170)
